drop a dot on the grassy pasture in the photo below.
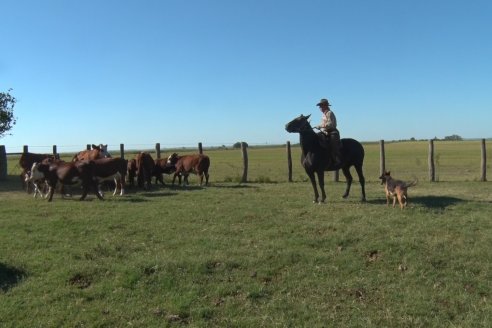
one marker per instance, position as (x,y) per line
(257,254)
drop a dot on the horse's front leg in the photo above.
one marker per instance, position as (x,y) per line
(315,188)
(321,181)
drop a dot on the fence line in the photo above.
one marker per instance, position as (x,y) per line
(244,152)
(382,160)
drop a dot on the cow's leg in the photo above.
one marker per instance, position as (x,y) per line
(116,183)
(122,185)
(51,191)
(99,189)
(206,178)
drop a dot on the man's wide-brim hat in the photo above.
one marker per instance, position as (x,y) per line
(323,102)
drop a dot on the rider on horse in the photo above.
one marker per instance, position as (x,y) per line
(329,135)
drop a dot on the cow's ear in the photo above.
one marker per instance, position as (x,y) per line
(307,117)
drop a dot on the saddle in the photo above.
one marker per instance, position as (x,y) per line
(334,155)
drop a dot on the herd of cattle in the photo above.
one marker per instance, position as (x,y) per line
(90,168)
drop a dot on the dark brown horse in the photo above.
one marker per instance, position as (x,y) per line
(317,160)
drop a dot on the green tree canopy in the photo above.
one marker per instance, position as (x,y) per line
(7,118)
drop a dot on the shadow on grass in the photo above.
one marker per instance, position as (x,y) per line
(233,186)
(150,194)
(436,201)
(9,277)
(12,183)
(432,202)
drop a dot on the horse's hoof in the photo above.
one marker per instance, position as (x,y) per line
(344,196)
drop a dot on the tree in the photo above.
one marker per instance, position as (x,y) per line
(237,145)
(454,137)
(7,119)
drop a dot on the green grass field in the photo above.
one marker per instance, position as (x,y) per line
(258,254)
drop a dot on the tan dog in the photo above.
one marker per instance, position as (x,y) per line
(396,189)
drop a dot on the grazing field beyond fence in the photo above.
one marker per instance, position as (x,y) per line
(256,254)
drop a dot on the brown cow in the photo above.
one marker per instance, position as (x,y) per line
(196,164)
(145,167)
(132,172)
(96,152)
(67,174)
(107,169)
(162,166)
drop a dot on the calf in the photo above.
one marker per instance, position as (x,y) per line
(132,171)
(108,169)
(96,152)
(67,174)
(162,166)
(145,167)
(40,185)
(26,161)
(196,164)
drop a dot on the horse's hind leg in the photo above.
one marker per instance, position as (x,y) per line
(362,181)
(348,178)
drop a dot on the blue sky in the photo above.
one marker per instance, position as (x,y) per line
(221,71)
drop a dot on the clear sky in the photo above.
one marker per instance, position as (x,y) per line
(220,71)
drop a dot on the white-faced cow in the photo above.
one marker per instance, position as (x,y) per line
(68,174)
(162,166)
(96,152)
(41,187)
(184,165)
(26,161)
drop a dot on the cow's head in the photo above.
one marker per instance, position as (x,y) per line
(103,150)
(172,159)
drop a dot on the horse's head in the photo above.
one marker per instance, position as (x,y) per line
(298,124)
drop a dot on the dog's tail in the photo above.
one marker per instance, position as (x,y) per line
(412,183)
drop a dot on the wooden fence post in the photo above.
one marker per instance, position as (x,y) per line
(200,148)
(25,149)
(122,151)
(3,163)
(55,152)
(158,150)
(289,161)
(88,147)
(244,151)
(484,162)
(432,168)
(382,158)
